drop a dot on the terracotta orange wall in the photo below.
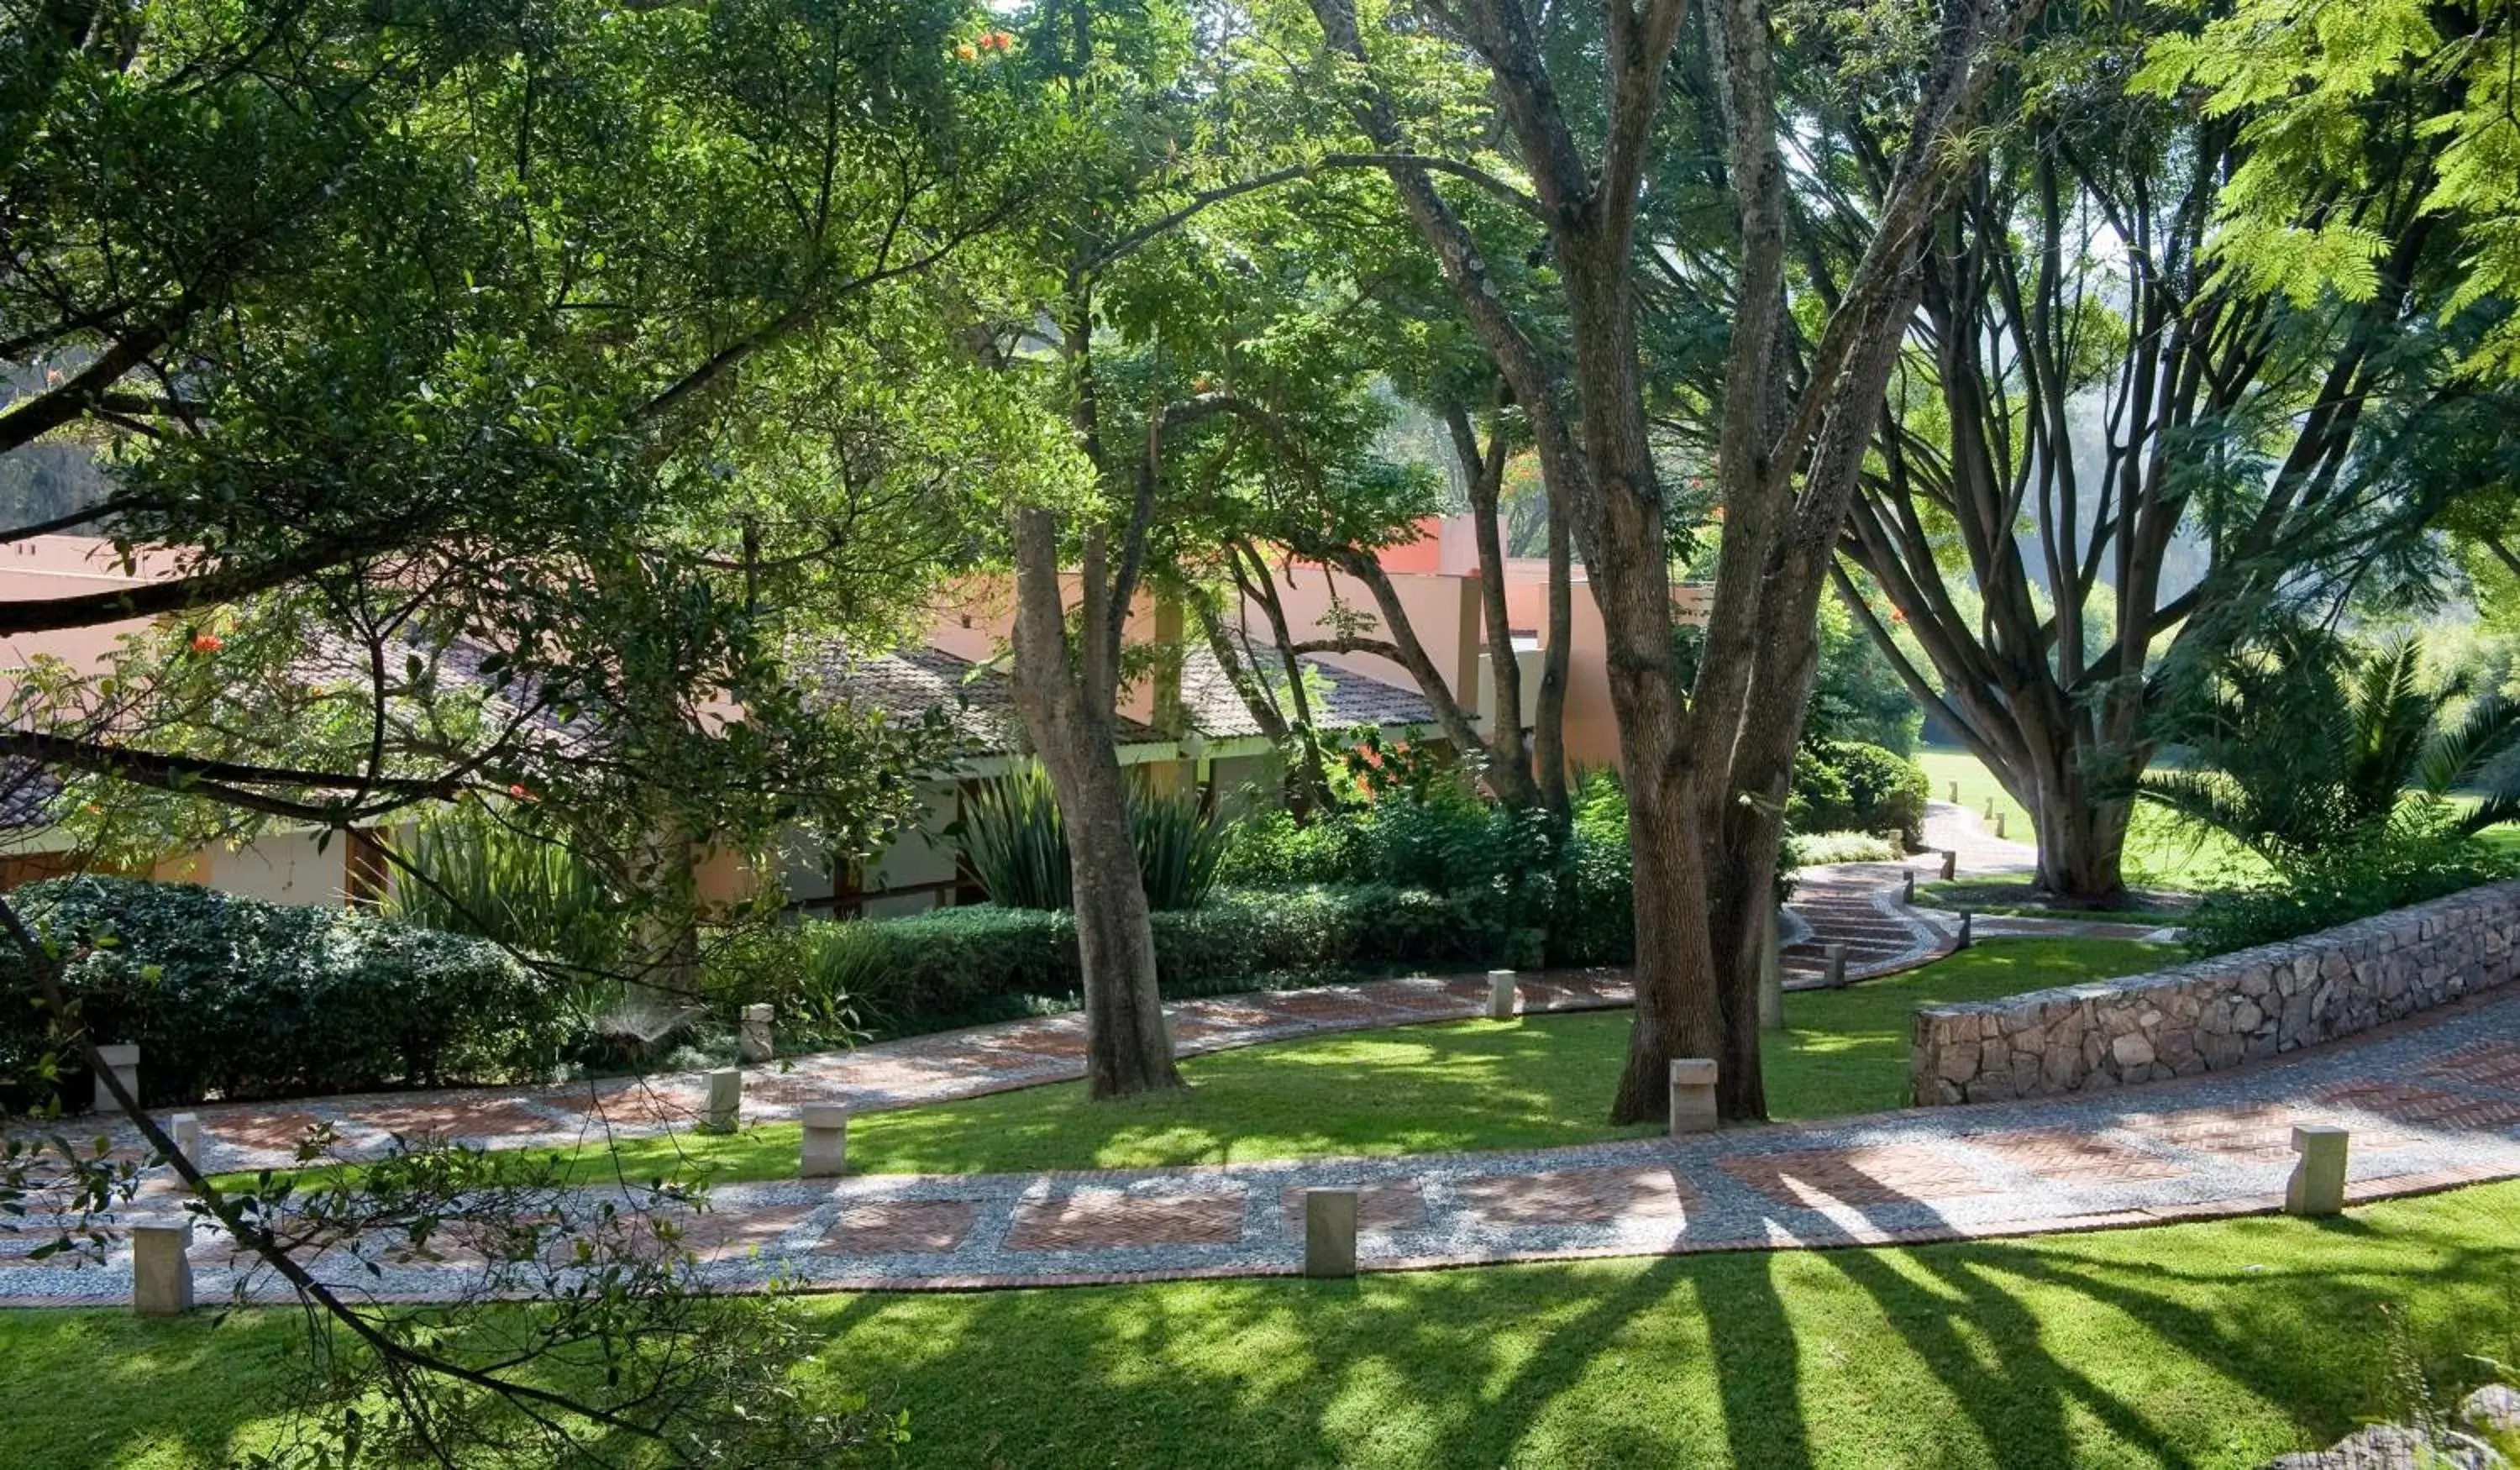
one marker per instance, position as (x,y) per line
(44,567)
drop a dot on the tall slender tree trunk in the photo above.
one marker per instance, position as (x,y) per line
(1549,717)
(1068,710)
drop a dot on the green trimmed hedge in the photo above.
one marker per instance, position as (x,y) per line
(979,960)
(235,997)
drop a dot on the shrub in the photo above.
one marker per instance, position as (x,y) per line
(1016,843)
(487,881)
(2392,868)
(235,997)
(958,964)
(1808,849)
(1841,786)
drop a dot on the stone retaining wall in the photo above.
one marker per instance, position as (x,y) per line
(2218,1012)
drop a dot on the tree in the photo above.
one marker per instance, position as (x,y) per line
(520,390)
(2303,742)
(2103,455)
(1705,768)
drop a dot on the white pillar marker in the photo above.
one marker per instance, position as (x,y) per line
(755,1042)
(2317,1183)
(123,1060)
(162,1275)
(1836,954)
(186,1130)
(825,1153)
(1330,1232)
(725,1106)
(1693,1096)
(1501,995)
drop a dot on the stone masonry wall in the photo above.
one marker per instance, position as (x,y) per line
(2219,1013)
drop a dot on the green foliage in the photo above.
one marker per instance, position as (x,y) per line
(1855,694)
(963,964)
(1010,834)
(1526,890)
(235,997)
(2320,90)
(2389,867)
(1845,786)
(2302,743)
(1817,848)
(1014,839)
(482,877)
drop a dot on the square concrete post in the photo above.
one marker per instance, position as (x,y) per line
(1990,809)
(185,1131)
(724,1107)
(1998,823)
(1968,929)
(1950,863)
(1836,956)
(2317,1184)
(1330,1232)
(1906,885)
(1692,1096)
(753,1042)
(1956,793)
(826,1150)
(1501,993)
(1771,977)
(162,1276)
(124,1058)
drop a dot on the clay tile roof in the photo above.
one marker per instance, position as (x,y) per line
(1344,699)
(977,698)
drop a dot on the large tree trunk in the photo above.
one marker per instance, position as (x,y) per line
(1548,718)
(1067,710)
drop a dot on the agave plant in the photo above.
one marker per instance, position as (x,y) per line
(2302,741)
(483,879)
(1010,834)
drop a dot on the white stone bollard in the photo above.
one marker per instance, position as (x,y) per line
(1500,993)
(1693,1096)
(2317,1183)
(185,1131)
(754,1040)
(1330,1232)
(124,1058)
(826,1150)
(1950,863)
(724,1107)
(162,1275)
(1968,927)
(1836,954)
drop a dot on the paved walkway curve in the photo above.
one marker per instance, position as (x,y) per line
(2432,1103)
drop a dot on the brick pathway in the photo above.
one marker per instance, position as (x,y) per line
(2432,1103)
(1857,905)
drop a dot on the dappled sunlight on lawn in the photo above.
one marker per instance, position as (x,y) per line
(2220,1343)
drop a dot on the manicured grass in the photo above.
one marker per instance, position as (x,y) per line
(2212,1345)
(1523,1084)
(2161,853)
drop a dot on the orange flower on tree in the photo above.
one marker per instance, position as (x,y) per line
(207,642)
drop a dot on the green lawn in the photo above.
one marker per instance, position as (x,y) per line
(2206,1346)
(2160,852)
(1414,1090)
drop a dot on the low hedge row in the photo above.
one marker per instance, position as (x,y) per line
(235,997)
(972,962)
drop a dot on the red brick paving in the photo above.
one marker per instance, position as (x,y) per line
(1884,1175)
(1378,1206)
(1579,1196)
(1106,1218)
(2487,1064)
(2069,1157)
(921,1226)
